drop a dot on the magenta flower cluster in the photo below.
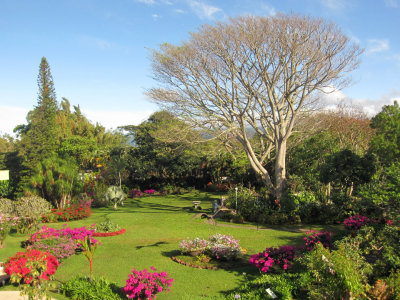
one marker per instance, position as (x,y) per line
(355,222)
(149,192)
(145,285)
(282,256)
(135,193)
(315,237)
(74,234)
(61,247)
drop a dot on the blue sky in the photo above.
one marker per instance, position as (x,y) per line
(99,50)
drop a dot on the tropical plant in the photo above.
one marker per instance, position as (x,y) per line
(115,195)
(89,248)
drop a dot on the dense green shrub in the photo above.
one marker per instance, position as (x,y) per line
(4,188)
(336,274)
(32,206)
(6,206)
(30,210)
(284,286)
(83,288)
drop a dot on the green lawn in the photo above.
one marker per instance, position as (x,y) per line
(154,227)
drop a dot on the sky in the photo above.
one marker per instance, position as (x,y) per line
(99,50)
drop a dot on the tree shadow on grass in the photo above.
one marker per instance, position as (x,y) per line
(152,245)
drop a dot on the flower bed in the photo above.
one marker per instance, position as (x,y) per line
(355,222)
(103,234)
(76,211)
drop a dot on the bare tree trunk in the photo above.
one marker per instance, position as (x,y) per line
(280,170)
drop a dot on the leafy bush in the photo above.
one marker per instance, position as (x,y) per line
(6,223)
(282,256)
(223,247)
(32,207)
(6,206)
(77,211)
(30,210)
(84,289)
(145,285)
(61,247)
(107,226)
(336,274)
(285,286)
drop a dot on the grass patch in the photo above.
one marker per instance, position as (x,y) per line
(154,227)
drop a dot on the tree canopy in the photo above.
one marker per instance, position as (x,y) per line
(253,72)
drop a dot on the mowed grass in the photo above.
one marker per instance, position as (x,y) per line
(154,227)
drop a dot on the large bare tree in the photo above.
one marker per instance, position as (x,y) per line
(253,72)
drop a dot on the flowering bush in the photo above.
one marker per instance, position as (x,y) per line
(355,222)
(149,192)
(25,266)
(77,211)
(282,256)
(196,244)
(33,269)
(60,246)
(135,193)
(145,285)
(223,247)
(315,237)
(74,234)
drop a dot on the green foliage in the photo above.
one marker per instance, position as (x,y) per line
(4,188)
(381,197)
(6,206)
(336,274)
(95,289)
(107,226)
(285,286)
(345,168)
(386,143)
(30,210)
(115,195)
(89,249)
(55,179)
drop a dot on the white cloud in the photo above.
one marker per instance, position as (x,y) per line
(203,10)
(180,11)
(10,117)
(369,106)
(113,119)
(269,9)
(334,4)
(155,16)
(375,45)
(148,2)
(392,3)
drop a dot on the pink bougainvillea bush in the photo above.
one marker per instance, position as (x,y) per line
(61,247)
(355,222)
(145,285)
(75,234)
(315,237)
(149,192)
(282,257)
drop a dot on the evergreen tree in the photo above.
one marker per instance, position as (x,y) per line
(39,138)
